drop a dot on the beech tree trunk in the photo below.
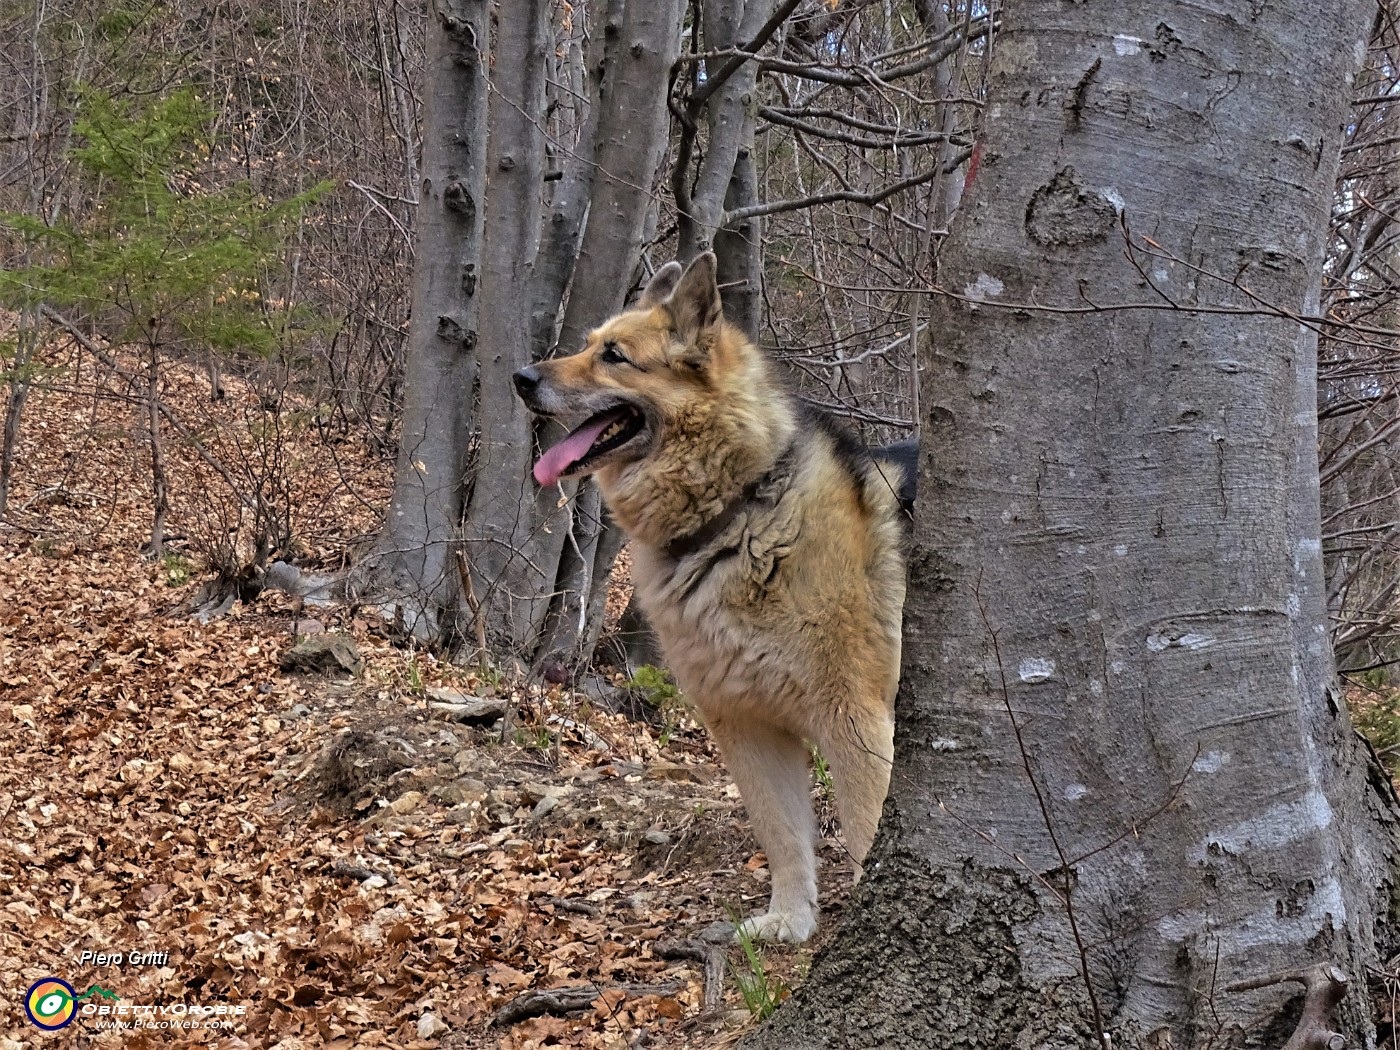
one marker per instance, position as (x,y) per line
(628,143)
(1125,783)
(726,176)
(506,544)
(414,571)
(539,216)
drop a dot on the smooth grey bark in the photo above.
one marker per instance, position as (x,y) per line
(631,143)
(568,210)
(413,568)
(464,485)
(739,246)
(507,545)
(641,43)
(1118,696)
(538,555)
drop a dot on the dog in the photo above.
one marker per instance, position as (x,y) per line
(768,554)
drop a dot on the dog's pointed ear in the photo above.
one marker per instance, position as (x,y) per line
(660,287)
(695,304)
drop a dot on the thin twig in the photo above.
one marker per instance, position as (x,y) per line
(478,620)
(1325,985)
(711,956)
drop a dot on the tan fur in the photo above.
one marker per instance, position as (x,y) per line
(795,637)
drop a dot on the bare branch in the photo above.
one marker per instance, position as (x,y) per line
(744,54)
(873,197)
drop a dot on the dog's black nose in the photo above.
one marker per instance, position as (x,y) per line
(526,380)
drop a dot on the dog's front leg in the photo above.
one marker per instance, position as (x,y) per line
(770,765)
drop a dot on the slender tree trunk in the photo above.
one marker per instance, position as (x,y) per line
(563,232)
(20,367)
(631,141)
(508,545)
(739,247)
(640,43)
(414,568)
(20,379)
(727,177)
(1124,781)
(160,483)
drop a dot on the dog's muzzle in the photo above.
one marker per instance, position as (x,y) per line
(526,381)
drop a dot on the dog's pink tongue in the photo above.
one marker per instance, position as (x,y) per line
(556,461)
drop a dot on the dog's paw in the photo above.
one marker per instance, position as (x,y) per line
(787,927)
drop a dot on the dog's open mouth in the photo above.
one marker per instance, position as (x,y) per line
(589,443)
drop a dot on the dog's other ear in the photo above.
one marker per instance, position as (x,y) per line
(695,304)
(660,287)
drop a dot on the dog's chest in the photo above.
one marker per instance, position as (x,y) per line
(727,623)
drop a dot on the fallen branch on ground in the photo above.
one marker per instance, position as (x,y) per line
(711,956)
(571,999)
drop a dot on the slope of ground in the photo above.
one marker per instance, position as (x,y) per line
(324,856)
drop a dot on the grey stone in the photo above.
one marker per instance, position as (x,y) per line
(323,654)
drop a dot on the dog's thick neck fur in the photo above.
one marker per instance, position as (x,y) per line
(722,442)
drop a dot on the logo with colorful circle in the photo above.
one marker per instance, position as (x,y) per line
(50,1003)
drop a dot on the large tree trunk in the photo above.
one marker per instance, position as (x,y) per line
(414,565)
(1124,780)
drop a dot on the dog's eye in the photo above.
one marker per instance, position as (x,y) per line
(611,355)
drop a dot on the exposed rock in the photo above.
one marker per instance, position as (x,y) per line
(469,709)
(534,791)
(323,654)
(282,576)
(675,772)
(460,792)
(545,805)
(592,739)
(450,694)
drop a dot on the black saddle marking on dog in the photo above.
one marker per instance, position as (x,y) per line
(904,455)
(856,457)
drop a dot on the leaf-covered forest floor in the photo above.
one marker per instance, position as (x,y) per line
(325,849)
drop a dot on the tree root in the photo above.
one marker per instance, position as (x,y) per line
(1324,986)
